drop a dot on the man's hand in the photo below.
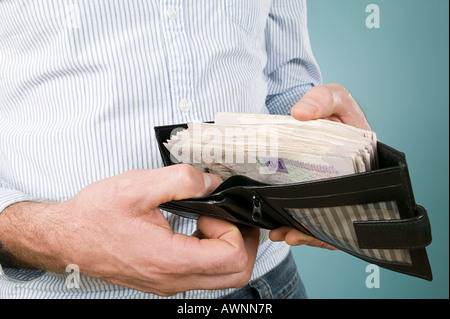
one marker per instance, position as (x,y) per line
(332,102)
(113,230)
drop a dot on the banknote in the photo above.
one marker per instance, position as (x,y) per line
(274,149)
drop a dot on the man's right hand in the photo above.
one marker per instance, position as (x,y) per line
(113,230)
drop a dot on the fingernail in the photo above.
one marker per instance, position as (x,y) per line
(309,106)
(211,182)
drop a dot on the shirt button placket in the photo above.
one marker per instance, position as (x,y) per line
(171,14)
(179,55)
(184,105)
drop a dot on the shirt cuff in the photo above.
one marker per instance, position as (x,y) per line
(10,196)
(281,104)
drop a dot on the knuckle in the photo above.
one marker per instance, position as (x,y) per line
(339,91)
(323,97)
(328,94)
(238,260)
(241,262)
(242,279)
(336,86)
(188,176)
(230,262)
(125,184)
(126,180)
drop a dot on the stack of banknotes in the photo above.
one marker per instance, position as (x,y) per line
(274,149)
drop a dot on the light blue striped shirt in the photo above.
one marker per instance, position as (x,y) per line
(83,83)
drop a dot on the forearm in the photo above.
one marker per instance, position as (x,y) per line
(29,236)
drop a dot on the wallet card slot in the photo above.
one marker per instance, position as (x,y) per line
(386,193)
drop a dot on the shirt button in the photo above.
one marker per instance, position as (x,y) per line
(171,14)
(184,105)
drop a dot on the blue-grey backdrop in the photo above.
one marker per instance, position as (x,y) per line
(399,75)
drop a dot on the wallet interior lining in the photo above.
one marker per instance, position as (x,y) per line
(334,225)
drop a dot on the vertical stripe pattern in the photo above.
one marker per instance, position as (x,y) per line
(83,83)
(334,225)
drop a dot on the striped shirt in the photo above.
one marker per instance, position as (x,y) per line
(83,83)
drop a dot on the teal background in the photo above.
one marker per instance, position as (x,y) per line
(399,75)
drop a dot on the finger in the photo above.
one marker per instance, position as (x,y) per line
(297,238)
(279,234)
(223,249)
(333,102)
(294,237)
(150,188)
(245,237)
(317,103)
(184,181)
(237,271)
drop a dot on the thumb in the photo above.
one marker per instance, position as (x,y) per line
(150,188)
(332,102)
(317,103)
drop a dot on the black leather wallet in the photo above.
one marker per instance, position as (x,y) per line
(372,216)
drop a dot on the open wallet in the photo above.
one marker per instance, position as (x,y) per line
(372,215)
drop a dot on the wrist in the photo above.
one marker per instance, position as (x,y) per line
(30,236)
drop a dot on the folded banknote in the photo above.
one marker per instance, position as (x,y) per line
(274,149)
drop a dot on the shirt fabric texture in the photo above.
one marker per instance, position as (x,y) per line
(83,83)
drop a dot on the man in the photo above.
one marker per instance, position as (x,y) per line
(81,88)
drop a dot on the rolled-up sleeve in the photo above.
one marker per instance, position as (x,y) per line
(10,196)
(291,67)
